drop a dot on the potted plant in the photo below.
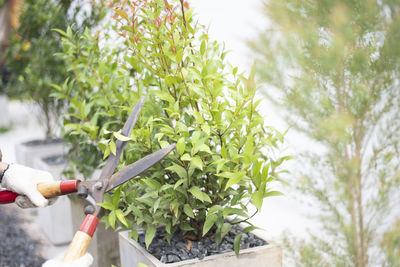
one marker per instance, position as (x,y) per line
(226,158)
(33,66)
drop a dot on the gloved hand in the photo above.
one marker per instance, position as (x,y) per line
(84,261)
(25,203)
(23,180)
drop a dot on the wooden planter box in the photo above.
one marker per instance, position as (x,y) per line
(55,220)
(269,255)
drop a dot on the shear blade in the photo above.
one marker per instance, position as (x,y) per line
(138,167)
(112,161)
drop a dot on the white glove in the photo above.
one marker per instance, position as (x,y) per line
(84,261)
(23,180)
(25,203)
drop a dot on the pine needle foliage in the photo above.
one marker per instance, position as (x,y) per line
(333,67)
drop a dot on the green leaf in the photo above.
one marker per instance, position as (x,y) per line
(113,147)
(107,206)
(186,157)
(121,137)
(226,227)
(178,170)
(121,13)
(135,210)
(133,234)
(273,194)
(257,199)
(223,152)
(111,219)
(197,193)
(170,80)
(186,226)
(236,244)
(121,217)
(215,208)
(205,148)
(229,211)
(107,152)
(168,227)
(234,71)
(164,96)
(197,162)
(156,204)
(234,180)
(220,163)
(150,233)
(152,183)
(203,47)
(181,181)
(179,55)
(249,229)
(116,198)
(210,220)
(234,177)
(180,146)
(164,144)
(63,33)
(188,210)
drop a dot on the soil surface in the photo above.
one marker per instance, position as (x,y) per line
(178,249)
(39,142)
(17,247)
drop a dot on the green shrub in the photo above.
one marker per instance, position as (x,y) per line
(194,98)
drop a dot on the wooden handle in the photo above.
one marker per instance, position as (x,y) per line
(57,188)
(78,247)
(81,240)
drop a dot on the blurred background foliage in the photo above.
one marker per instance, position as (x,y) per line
(30,58)
(333,67)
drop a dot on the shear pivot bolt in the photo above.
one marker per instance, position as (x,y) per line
(98,185)
(89,209)
(82,192)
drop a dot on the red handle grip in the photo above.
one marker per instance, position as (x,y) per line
(82,238)
(7,197)
(48,190)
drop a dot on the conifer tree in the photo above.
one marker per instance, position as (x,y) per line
(333,67)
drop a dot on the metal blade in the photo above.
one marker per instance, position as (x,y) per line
(134,169)
(112,160)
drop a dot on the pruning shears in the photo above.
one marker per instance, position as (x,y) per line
(96,189)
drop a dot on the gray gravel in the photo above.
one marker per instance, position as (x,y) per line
(17,248)
(177,251)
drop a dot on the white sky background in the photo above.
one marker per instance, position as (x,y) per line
(234,22)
